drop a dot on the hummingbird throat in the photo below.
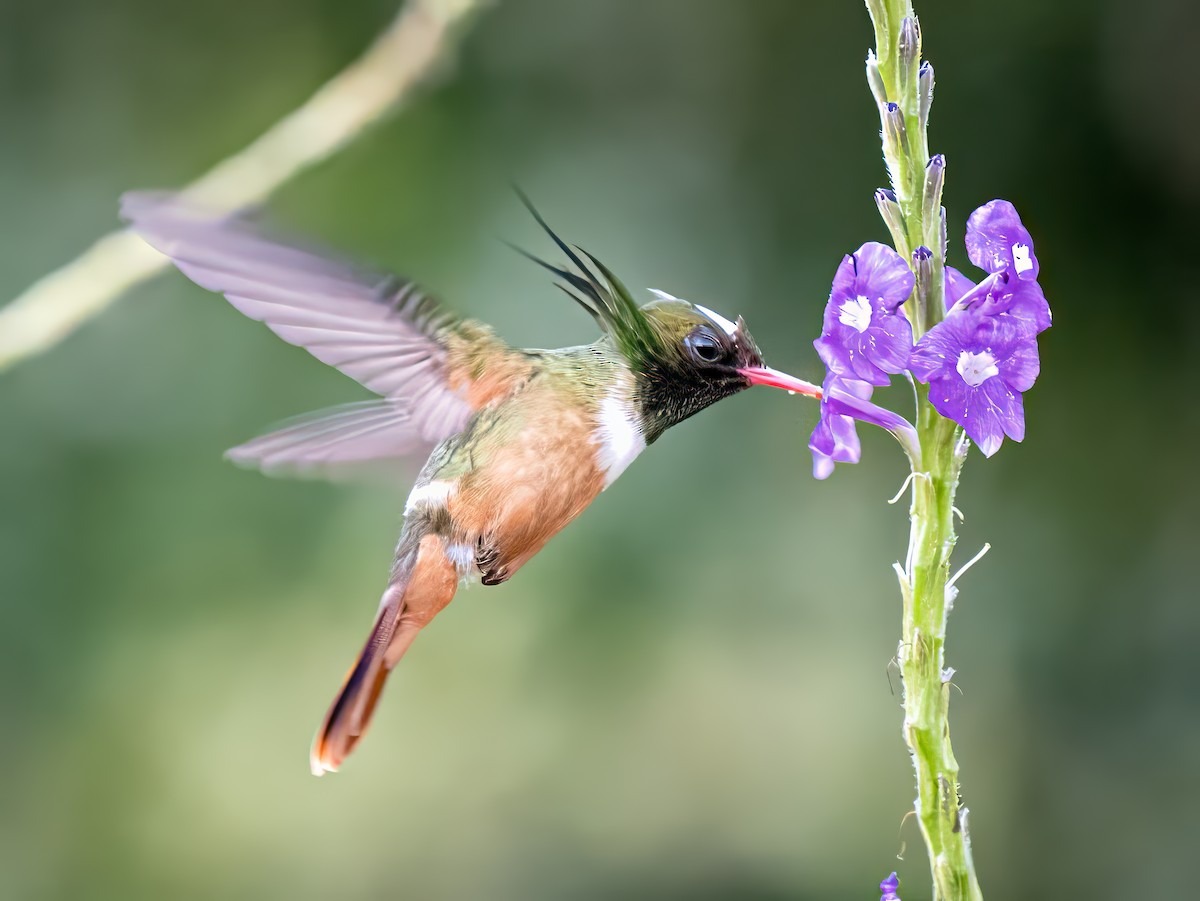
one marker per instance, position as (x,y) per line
(619,437)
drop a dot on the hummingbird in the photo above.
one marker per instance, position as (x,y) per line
(522,440)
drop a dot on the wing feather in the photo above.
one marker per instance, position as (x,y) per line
(330,443)
(380,330)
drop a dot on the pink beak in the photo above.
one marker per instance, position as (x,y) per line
(765,375)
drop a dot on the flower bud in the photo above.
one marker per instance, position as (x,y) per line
(892,216)
(908,51)
(895,147)
(875,78)
(924,93)
(894,133)
(923,263)
(931,197)
(929,292)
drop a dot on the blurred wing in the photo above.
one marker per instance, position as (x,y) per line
(382,332)
(340,441)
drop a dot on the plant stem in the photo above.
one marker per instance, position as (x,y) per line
(928,598)
(904,99)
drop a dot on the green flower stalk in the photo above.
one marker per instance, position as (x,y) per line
(925,582)
(970,352)
(924,578)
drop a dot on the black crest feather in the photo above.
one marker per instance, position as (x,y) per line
(608,301)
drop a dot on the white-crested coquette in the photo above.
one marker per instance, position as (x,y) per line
(522,440)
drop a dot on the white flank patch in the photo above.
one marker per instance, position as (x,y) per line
(619,438)
(463,558)
(730,327)
(434,494)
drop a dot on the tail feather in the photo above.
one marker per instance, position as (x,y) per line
(419,590)
(348,715)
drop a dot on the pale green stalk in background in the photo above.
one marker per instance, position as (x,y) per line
(913,211)
(419,38)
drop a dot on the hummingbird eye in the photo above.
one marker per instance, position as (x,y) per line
(705,346)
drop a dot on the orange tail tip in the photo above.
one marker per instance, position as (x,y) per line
(350,713)
(424,581)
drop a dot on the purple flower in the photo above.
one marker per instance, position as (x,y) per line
(976,368)
(889,887)
(835,439)
(957,287)
(865,336)
(999,243)
(977,362)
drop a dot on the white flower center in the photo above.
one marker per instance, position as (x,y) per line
(976,369)
(856,313)
(1021,259)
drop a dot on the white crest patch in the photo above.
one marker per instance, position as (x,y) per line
(618,436)
(433,494)
(729,327)
(663,295)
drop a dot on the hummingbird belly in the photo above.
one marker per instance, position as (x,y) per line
(513,479)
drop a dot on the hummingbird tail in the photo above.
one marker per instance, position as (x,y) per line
(423,581)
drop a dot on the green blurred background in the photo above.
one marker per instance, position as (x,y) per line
(687,693)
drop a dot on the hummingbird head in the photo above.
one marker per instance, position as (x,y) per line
(684,357)
(696,358)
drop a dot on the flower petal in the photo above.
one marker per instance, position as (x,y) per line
(843,289)
(937,352)
(1030,307)
(957,285)
(834,440)
(996,240)
(864,334)
(1008,408)
(982,419)
(834,355)
(948,359)
(881,272)
(822,465)
(845,398)
(1019,368)
(861,367)
(835,437)
(891,343)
